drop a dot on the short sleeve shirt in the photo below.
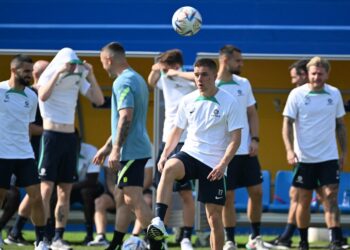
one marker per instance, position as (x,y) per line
(315,115)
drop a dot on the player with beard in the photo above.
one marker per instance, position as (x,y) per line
(244,169)
(17,111)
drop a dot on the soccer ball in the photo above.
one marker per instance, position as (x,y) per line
(187,21)
(134,243)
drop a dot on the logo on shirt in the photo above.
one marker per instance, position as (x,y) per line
(216,113)
(192,110)
(329,101)
(307,100)
(239,92)
(26,104)
(7,98)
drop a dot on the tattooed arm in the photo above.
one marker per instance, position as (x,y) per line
(341,135)
(288,139)
(124,123)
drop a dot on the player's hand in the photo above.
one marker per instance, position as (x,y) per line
(172,72)
(253,148)
(292,158)
(161,163)
(88,66)
(101,155)
(114,161)
(217,173)
(156,67)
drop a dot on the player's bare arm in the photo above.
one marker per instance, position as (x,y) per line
(219,170)
(124,123)
(341,136)
(94,93)
(288,138)
(253,121)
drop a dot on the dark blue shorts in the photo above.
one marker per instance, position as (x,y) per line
(132,173)
(314,175)
(25,170)
(243,171)
(188,185)
(208,191)
(58,157)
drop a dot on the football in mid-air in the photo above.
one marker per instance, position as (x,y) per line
(187,21)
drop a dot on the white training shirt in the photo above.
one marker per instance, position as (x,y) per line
(17,110)
(60,106)
(241,89)
(85,165)
(173,90)
(208,122)
(315,115)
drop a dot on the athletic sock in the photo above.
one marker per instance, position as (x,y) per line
(255,229)
(230,233)
(288,232)
(161,210)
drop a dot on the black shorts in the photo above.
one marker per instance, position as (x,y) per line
(177,185)
(132,173)
(243,171)
(58,157)
(208,191)
(314,175)
(25,170)
(94,192)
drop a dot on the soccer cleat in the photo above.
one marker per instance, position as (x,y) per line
(344,243)
(186,244)
(279,243)
(230,245)
(41,246)
(303,245)
(336,245)
(99,240)
(256,244)
(60,244)
(156,230)
(19,241)
(86,240)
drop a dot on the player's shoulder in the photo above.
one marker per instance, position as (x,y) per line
(240,80)
(30,93)
(4,84)
(331,88)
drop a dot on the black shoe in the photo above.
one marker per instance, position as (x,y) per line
(86,240)
(336,245)
(303,245)
(344,243)
(19,240)
(278,243)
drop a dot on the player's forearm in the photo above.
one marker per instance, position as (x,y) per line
(96,95)
(172,140)
(341,135)
(232,147)
(124,125)
(153,78)
(45,90)
(253,120)
(287,133)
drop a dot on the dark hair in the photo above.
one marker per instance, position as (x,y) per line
(114,49)
(299,66)
(206,62)
(18,61)
(228,50)
(171,57)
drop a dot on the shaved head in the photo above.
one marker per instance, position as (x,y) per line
(38,68)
